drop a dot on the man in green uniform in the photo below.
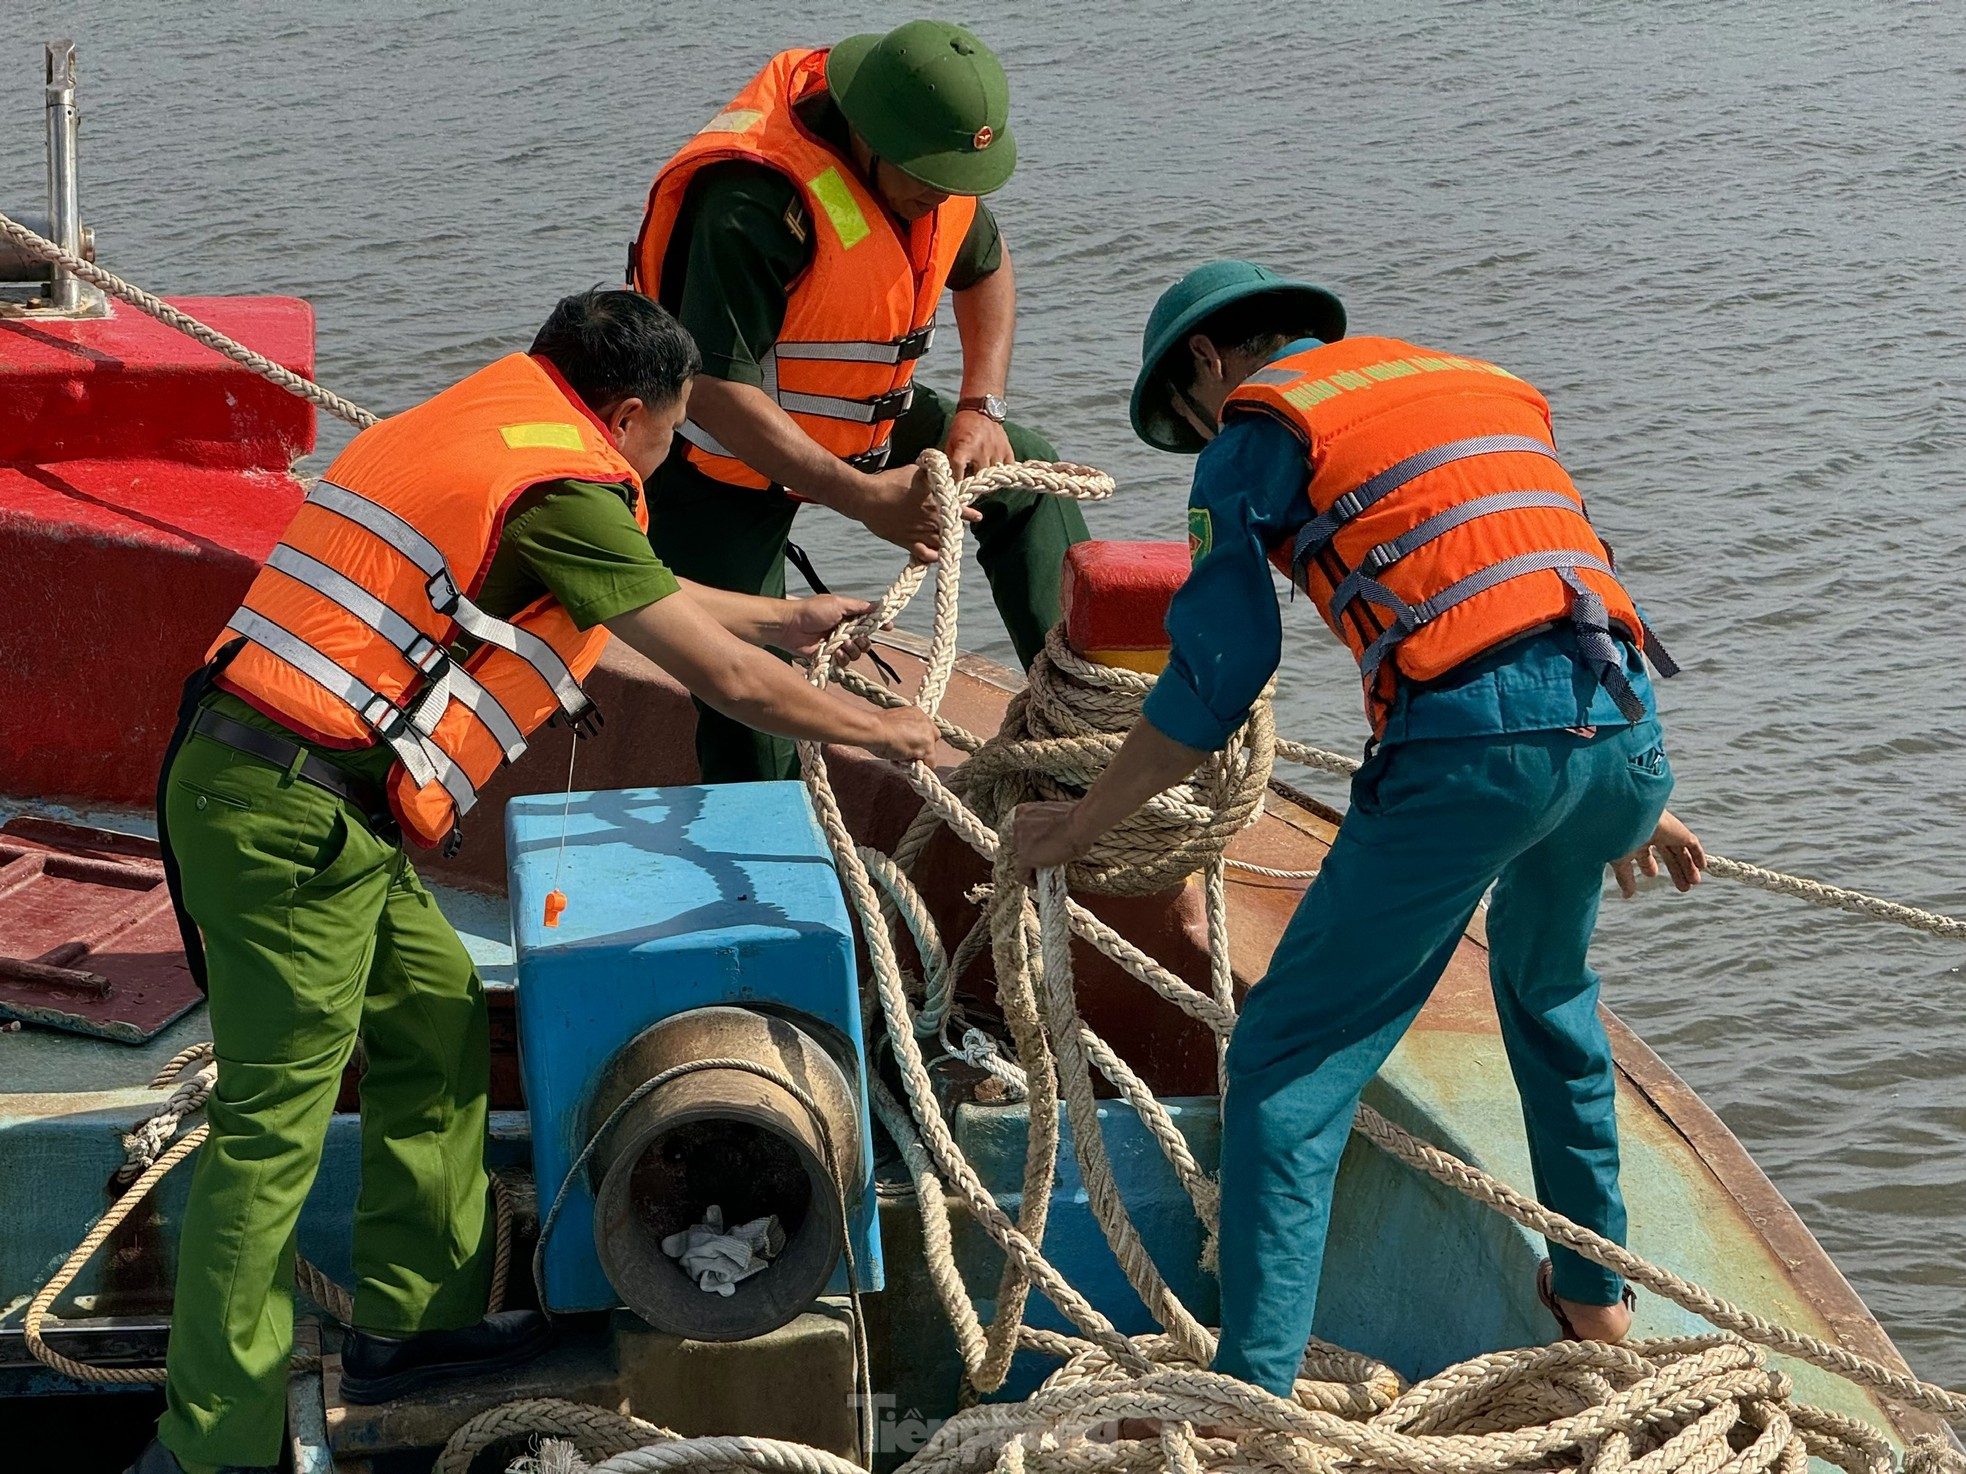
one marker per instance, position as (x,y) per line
(744,237)
(316,930)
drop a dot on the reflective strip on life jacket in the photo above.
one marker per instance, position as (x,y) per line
(423,760)
(889,406)
(900,350)
(448,599)
(703,440)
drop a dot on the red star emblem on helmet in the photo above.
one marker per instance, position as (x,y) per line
(983,137)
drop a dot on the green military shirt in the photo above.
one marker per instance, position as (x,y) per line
(743,236)
(575,540)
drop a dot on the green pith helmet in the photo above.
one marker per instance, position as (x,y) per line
(1182,309)
(932,100)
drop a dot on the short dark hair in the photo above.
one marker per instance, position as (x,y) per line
(612,344)
(1257,326)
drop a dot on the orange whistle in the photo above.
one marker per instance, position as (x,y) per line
(556,902)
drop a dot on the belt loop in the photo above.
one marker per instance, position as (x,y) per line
(294,767)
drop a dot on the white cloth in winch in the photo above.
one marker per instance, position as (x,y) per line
(717,1258)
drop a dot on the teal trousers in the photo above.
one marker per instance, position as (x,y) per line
(1432,825)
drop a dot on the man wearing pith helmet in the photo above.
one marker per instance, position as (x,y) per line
(805,236)
(1416,498)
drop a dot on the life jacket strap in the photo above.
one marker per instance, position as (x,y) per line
(889,406)
(1362,582)
(445,678)
(1598,647)
(447,598)
(867,460)
(421,758)
(1322,528)
(1410,617)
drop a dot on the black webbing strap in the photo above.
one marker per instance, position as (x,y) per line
(195,689)
(796,556)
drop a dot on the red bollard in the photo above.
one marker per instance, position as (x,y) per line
(1115,597)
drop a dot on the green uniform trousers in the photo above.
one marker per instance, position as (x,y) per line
(1432,825)
(732,537)
(315,931)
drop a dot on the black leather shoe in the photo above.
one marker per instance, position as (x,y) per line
(156,1459)
(376,1368)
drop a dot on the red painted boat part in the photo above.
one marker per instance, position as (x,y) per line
(1115,597)
(142,480)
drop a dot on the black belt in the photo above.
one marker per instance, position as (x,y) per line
(314,769)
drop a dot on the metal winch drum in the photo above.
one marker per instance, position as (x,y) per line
(722,1135)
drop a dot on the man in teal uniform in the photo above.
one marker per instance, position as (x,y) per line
(316,929)
(743,239)
(1516,769)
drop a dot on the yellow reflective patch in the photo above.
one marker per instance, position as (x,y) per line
(733,120)
(1310,392)
(542,435)
(837,200)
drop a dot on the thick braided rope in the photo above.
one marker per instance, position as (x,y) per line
(40,246)
(1059,733)
(37,1310)
(597,1432)
(762,1455)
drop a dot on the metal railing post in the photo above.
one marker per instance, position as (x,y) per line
(64,189)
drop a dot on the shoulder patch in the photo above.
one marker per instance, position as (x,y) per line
(1201,534)
(797,221)
(542,435)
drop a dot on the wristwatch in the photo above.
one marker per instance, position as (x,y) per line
(990,406)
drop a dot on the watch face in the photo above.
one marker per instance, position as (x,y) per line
(996,407)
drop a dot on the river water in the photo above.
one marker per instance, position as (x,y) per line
(1724,239)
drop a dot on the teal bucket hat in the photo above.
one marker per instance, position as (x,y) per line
(1185,306)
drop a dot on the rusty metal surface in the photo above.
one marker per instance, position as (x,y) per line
(88,942)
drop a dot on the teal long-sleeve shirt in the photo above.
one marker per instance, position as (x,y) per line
(1226,627)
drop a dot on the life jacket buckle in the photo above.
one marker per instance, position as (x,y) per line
(388,719)
(1382,557)
(893,404)
(582,723)
(444,593)
(873,460)
(914,345)
(431,659)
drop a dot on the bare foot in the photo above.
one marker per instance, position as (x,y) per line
(1608,1323)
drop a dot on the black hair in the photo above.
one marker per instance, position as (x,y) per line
(612,344)
(1256,326)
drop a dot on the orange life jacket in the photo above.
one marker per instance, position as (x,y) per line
(348,625)
(1443,522)
(860,315)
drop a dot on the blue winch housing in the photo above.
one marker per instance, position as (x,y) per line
(678,899)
